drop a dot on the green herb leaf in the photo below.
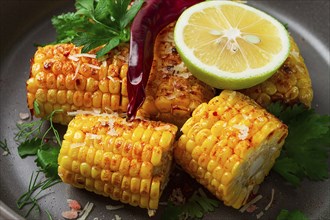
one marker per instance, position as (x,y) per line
(97,23)
(85,7)
(109,46)
(130,14)
(36,107)
(29,147)
(66,26)
(32,195)
(306,149)
(4,146)
(293,215)
(196,206)
(47,160)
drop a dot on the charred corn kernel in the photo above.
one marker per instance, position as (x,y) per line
(172,93)
(129,170)
(56,70)
(291,83)
(221,154)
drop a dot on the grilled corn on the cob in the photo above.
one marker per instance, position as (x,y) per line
(127,161)
(291,84)
(229,145)
(172,92)
(63,78)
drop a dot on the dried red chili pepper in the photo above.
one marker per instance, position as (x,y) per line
(150,20)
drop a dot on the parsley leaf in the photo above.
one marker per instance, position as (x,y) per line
(196,206)
(97,23)
(306,149)
(47,160)
(29,147)
(293,215)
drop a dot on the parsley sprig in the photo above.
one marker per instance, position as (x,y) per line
(97,23)
(196,206)
(306,149)
(291,215)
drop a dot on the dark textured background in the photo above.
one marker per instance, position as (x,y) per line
(26,22)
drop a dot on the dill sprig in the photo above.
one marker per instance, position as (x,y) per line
(34,129)
(33,143)
(4,146)
(32,195)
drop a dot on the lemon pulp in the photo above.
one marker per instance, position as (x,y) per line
(230,45)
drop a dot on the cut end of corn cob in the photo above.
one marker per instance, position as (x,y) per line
(291,84)
(127,161)
(229,145)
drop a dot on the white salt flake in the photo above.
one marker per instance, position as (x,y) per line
(24,116)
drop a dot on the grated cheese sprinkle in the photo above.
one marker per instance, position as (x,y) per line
(271,200)
(70,57)
(93,136)
(253,201)
(243,131)
(74,145)
(260,214)
(77,70)
(94,66)
(111,78)
(114,207)
(163,127)
(84,55)
(85,212)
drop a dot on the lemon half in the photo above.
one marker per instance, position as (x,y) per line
(230,45)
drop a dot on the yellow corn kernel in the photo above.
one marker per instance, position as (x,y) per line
(135,167)
(115,102)
(85,169)
(91,85)
(145,187)
(104,85)
(228,146)
(156,156)
(135,185)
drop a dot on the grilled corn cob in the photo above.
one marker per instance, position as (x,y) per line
(291,84)
(172,92)
(63,78)
(229,145)
(127,161)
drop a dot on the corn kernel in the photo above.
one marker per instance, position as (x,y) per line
(85,169)
(156,156)
(145,187)
(135,185)
(134,168)
(106,175)
(146,170)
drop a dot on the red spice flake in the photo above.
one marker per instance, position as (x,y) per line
(251,208)
(72,214)
(74,204)
(215,113)
(48,64)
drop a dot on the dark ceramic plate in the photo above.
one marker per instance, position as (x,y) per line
(24,23)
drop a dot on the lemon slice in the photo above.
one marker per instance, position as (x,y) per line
(230,45)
